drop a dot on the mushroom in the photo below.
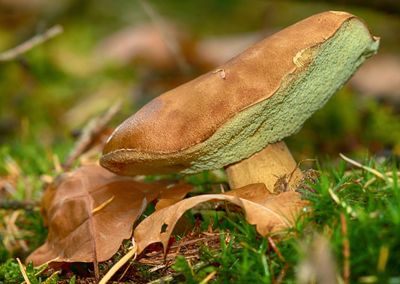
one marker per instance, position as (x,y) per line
(237,116)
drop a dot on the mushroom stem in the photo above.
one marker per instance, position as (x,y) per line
(274,166)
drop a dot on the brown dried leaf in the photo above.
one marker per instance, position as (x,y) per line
(8,182)
(270,213)
(379,77)
(144,43)
(217,50)
(256,192)
(90,212)
(172,194)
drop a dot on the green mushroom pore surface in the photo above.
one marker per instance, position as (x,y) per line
(321,71)
(299,96)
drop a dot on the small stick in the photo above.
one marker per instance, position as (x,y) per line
(282,274)
(110,273)
(155,268)
(275,248)
(57,165)
(337,200)
(50,279)
(369,182)
(368,169)
(31,43)
(90,132)
(164,279)
(208,277)
(169,40)
(103,205)
(170,277)
(16,204)
(390,174)
(125,271)
(23,272)
(383,258)
(41,268)
(346,250)
(298,167)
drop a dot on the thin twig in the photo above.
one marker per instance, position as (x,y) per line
(51,278)
(337,200)
(91,131)
(369,182)
(390,174)
(164,279)
(170,277)
(297,167)
(57,164)
(31,43)
(275,249)
(12,235)
(346,250)
(169,40)
(16,204)
(42,268)
(158,267)
(119,264)
(23,272)
(368,169)
(208,277)
(103,205)
(383,258)
(282,274)
(125,271)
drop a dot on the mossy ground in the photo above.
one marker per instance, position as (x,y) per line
(49,94)
(352,219)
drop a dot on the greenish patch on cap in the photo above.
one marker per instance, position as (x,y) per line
(300,95)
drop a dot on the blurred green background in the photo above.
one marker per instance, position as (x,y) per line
(135,50)
(132,51)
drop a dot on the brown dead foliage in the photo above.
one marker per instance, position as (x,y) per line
(90,211)
(188,246)
(143,43)
(269,213)
(379,77)
(171,195)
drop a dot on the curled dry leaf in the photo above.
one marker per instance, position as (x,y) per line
(218,50)
(144,43)
(268,212)
(257,193)
(379,77)
(90,212)
(172,194)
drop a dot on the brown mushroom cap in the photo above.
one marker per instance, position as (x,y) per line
(229,114)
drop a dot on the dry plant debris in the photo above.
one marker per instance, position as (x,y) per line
(171,195)
(387,69)
(31,43)
(269,213)
(188,247)
(92,132)
(90,211)
(318,266)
